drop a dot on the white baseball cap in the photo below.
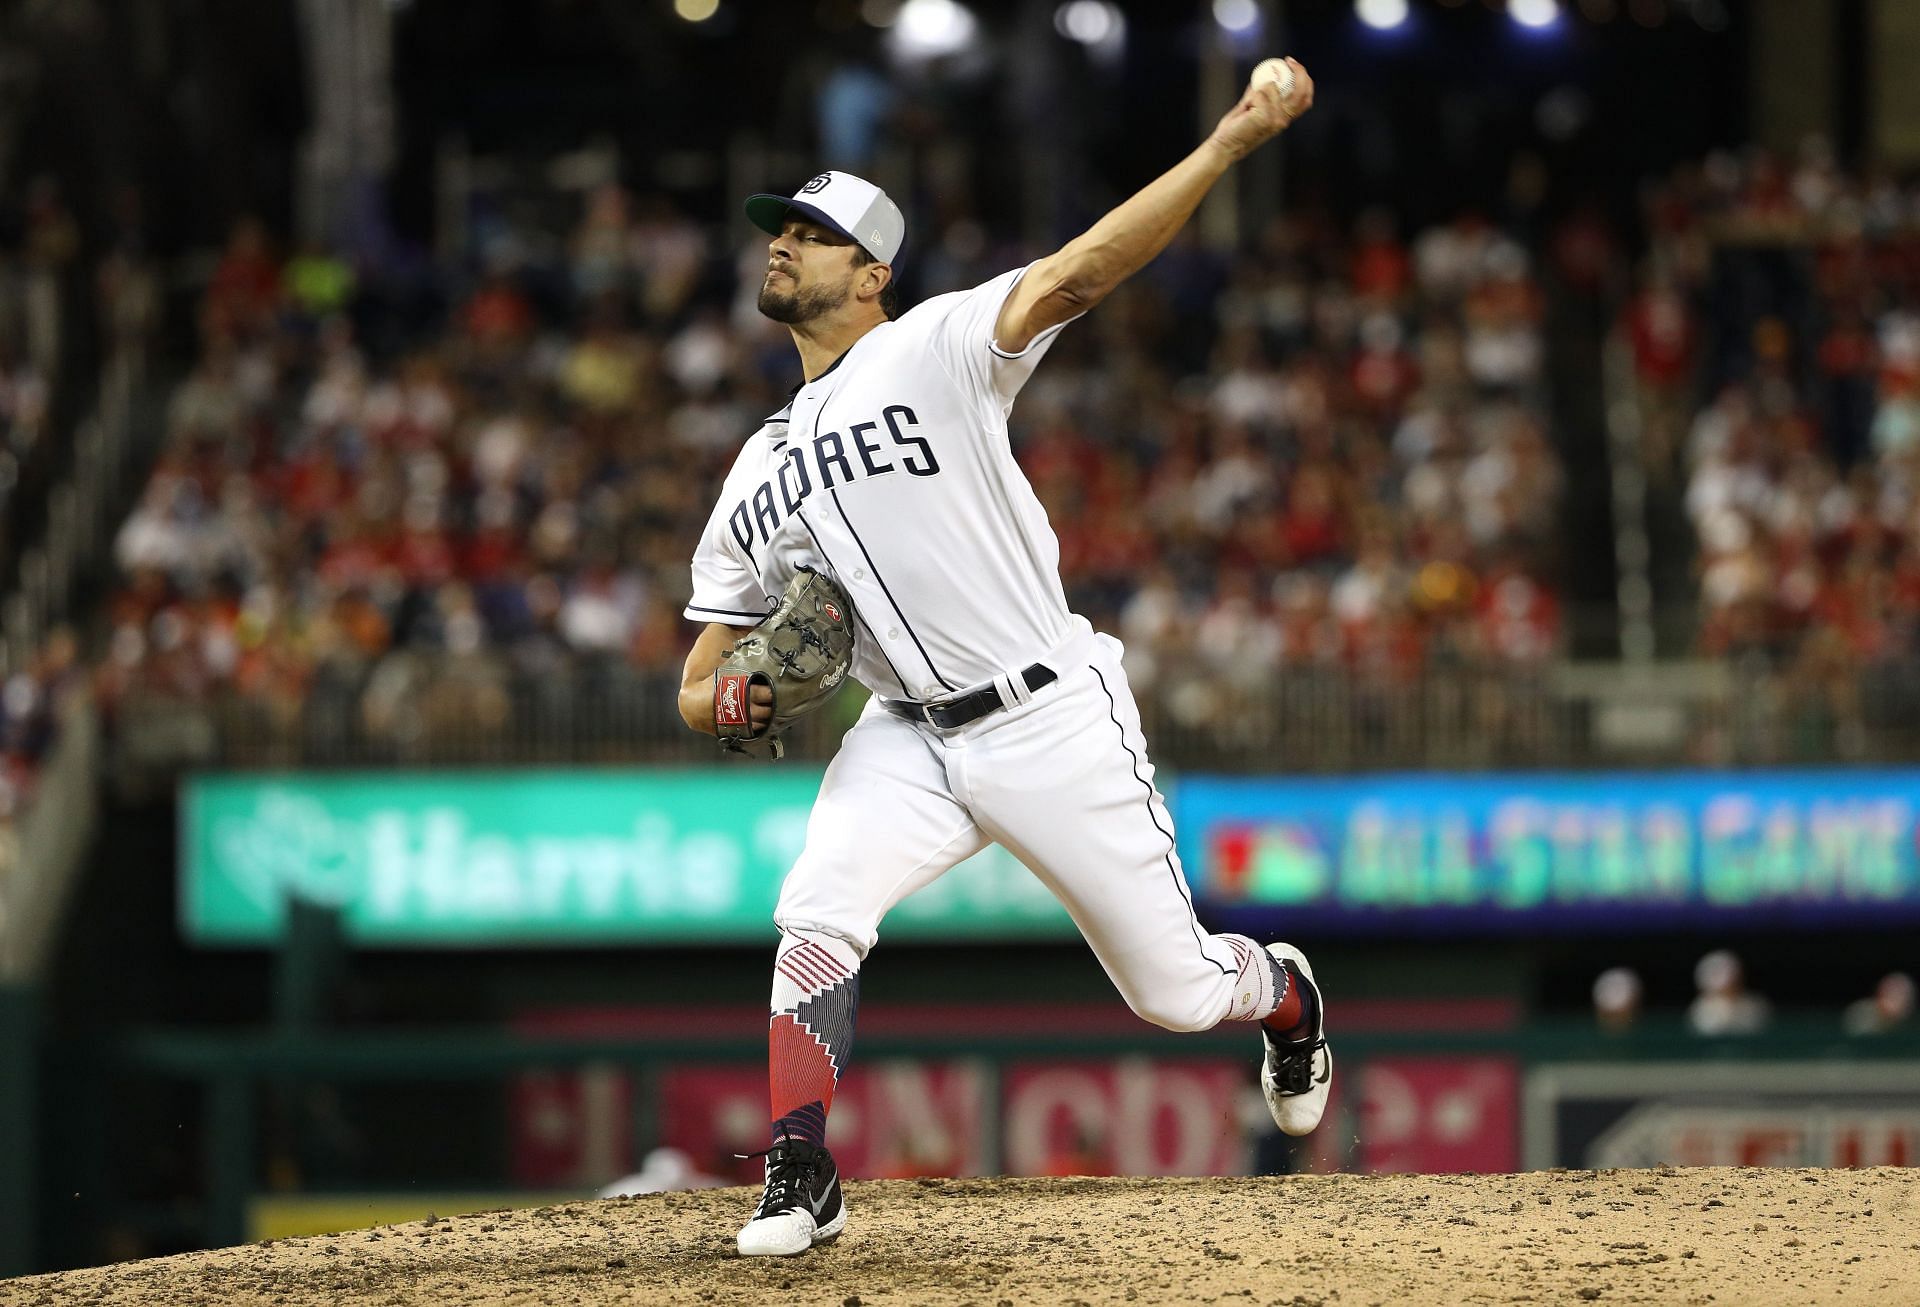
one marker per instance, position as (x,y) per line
(852,206)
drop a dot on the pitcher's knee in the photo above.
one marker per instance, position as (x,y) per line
(1177,1012)
(861,942)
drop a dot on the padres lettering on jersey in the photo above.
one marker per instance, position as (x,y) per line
(824,461)
(891,471)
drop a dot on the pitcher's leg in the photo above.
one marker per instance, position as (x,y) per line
(1069,789)
(884,825)
(816,996)
(816,992)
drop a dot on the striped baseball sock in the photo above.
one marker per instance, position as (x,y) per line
(816,995)
(1294,1016)
(1263,989)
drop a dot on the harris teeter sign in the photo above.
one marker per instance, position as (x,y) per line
(600,857)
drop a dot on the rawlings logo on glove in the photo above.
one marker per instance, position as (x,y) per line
(801,652)
(730,700)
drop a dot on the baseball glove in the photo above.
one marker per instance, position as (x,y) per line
(801,653)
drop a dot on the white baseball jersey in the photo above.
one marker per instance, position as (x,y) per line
(891,471)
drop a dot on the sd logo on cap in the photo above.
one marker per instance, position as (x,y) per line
(842,202)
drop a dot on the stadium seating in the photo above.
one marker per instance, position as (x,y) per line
(1335,458)
(1777,347)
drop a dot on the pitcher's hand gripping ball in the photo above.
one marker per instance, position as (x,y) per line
(801,653)
(1277,71)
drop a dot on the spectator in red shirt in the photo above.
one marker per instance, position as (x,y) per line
(244,291)
(1660,330)
(1381,269)
(1313,524)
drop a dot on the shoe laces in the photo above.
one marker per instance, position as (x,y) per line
(1293,1064)
(790,1177)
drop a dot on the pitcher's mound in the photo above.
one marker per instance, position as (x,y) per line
(1722,1237)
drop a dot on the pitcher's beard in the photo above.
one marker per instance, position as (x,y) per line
(796,307)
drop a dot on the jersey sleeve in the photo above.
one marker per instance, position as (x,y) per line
(725,586)
(962,337)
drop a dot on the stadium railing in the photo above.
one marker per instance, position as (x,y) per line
(1569,715)
(55,831)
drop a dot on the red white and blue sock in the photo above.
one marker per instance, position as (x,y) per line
(816,997)
(1268,990)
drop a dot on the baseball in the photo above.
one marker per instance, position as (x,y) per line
(1275,70)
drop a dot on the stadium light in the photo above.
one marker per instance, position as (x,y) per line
(1090,22)
(1381,15)
(929,29)
(1537,14)
(1238,16)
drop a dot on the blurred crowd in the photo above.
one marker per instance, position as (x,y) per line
(1725,1006)
(62,308)
(1356,475)
(1776,342)
(63,303)
(30,705)
(1330,451)
(39,246)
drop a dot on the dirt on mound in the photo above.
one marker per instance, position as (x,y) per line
(1669,1236)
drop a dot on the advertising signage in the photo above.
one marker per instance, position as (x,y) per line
(541,857)
(1599,850)
(1825,1114)
(640,856)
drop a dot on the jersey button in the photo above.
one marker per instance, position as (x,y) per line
(894,634)
(859,573)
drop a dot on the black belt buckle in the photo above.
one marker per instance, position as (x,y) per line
(947,716)
(958,712)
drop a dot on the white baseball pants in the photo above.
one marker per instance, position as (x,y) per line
(1062,780)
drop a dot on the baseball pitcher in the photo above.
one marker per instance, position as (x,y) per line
(882,519)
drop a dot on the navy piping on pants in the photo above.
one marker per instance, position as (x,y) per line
(1179,882)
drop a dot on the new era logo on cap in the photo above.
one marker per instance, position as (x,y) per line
(852,206)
